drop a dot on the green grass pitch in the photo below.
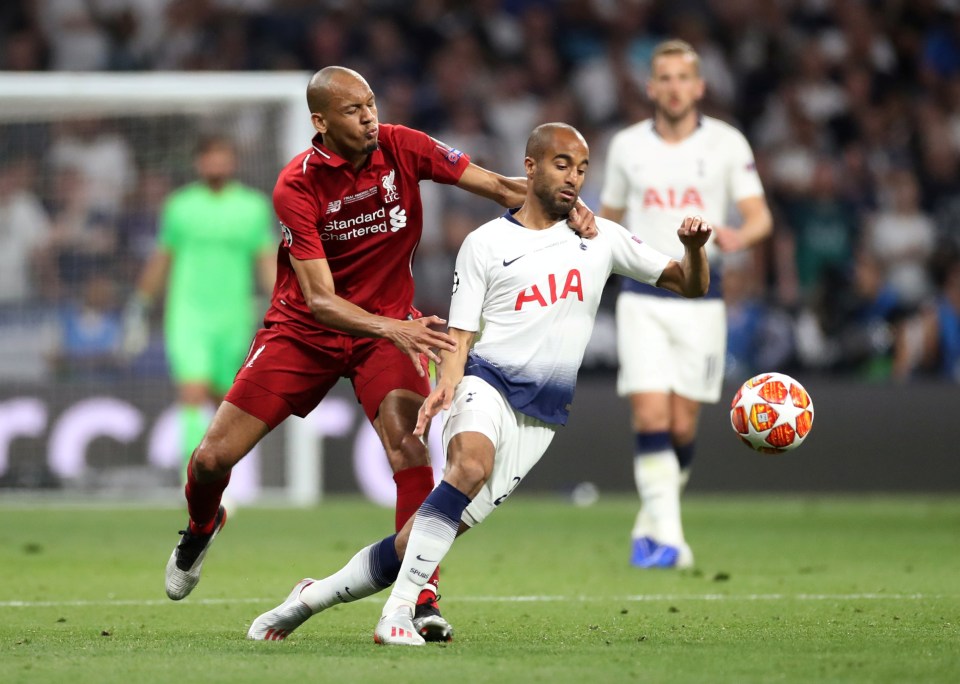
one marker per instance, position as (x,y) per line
(788,589)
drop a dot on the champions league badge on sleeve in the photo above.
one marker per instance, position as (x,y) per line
(451,154)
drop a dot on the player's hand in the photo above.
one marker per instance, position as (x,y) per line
(416,337)
(136,328)
(582,221)
(694,232)
(439,399)
(728,239)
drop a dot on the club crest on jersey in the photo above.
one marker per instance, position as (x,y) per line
(572,285)
(389,183)
(670,198)
(287,234)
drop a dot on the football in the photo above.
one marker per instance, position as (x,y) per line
(772,413)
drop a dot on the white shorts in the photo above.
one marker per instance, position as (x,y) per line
(519,441)
(671,345)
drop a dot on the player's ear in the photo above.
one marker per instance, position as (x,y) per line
(701,88)
(319,123)
(530,166)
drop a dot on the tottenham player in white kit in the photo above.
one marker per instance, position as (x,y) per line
(533,287)
(671,350)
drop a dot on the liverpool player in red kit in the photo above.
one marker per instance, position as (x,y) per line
(351,219)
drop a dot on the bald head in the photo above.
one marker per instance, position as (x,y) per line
(544,137)
(556,163)
(329,81)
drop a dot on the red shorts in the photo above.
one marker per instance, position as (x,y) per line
(289,370)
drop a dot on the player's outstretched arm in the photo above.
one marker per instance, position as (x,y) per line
(689,277)
(450,371)
(756,226)
(507,192)
(414,337)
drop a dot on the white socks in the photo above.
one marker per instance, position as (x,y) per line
(372,568)
(658,481)
(433,532)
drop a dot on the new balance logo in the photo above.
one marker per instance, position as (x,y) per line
(255,355)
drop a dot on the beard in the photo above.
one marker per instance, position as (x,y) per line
(675,115)
(552,203)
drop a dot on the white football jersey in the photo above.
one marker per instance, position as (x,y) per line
(659,183)
(533,296)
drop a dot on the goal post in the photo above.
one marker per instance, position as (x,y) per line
(53,96)
(134,135)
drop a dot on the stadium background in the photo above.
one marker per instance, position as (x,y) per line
(852,107)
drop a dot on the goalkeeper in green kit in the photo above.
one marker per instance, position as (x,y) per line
(215,243)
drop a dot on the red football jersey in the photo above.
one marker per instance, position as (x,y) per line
(366,223)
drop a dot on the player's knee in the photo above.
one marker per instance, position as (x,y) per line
(683,427)
(467,474)
(683,433)
(211,461)
(407,452)
(650,414)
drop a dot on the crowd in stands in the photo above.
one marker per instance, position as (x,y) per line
(852,108)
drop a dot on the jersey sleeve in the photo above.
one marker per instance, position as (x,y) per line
(298,211)
(469,287)
(433,159)
(615,181)
(632,256)
(743,177)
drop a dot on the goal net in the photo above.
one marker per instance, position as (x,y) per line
(86,161)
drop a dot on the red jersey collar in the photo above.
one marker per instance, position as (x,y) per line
(324,156)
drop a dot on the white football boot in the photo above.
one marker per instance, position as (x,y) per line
(397,629)
(183,566)
(279,623)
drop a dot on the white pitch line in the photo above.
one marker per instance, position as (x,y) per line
(635,598)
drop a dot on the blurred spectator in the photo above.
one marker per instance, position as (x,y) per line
(77,42)
(850,325)
(83,241)
(24,232)
(103,158)
(759,337)
(90,333)
(138,224)
(24,50)
(824,229)
(902,237)
(930,342)
(941,46)
(182,41)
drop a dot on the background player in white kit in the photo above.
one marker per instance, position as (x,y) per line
(533,287)
(672,351)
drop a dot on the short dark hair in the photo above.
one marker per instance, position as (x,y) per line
(213,141)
